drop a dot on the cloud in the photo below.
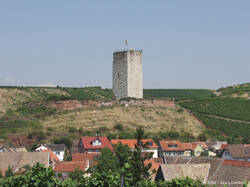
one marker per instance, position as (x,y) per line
(47,85)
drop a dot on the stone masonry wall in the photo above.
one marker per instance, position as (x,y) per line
(127,74)
(135,82)
(120,74)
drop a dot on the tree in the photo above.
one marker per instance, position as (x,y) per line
(106,161)
(140,171)
(63,140)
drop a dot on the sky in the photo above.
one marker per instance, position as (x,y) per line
(185,44)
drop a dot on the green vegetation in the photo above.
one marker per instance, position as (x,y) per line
(119,168)
(178,94)
(235,89)
(35,112)
(233,108)
(38,175)
(15,126)
(88,93)
(63,140)
(240,131)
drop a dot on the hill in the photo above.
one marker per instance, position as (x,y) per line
(240,89)
(178,94)
(46,113)
(227,113)
(36,113)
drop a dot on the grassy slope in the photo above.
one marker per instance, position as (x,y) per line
(26,119)
(154,119)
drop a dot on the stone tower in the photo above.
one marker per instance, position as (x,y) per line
(127,74)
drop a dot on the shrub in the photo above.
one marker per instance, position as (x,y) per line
(41,136)
(111,136)
(126,135)
(63,140)
(118,126)
(72,129)
(80,130)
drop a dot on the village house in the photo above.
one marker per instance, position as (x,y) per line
(66,167)
(85,157)
(57,149)
(80,162)
(93,144)
(155,164)
(151,145)
(174,148)
(198,147)
(214,148)
(177,148)
(5,148)
(17,160)
(236,152)
(221,172)
(167,172)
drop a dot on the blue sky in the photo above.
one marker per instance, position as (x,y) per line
(186,44)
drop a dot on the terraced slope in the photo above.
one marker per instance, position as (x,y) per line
(238,89)
(178,94)
(229,116)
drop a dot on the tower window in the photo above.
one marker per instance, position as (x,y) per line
(118,76)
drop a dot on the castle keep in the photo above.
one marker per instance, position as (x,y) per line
(127,74)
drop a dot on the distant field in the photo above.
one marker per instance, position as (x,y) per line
(241,88)
(233,108)
(178,94)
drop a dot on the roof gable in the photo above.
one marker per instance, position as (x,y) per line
(194,171)
(239,151)
(175,146)
(87,142)
(17,160)
(132,142)
(70,166)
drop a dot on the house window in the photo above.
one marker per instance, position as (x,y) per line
(172,146)
(96,143)
(150,143)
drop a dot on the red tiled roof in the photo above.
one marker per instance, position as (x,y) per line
(236,163)
(87,140)
(2,172)
(84,157)
(155,165)
(224,146)
(70,166)
(131,142)
(53,157)
(180,146)
(202,144)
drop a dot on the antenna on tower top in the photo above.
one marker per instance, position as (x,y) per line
(126,43)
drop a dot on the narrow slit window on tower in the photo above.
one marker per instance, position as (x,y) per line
(118,76)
